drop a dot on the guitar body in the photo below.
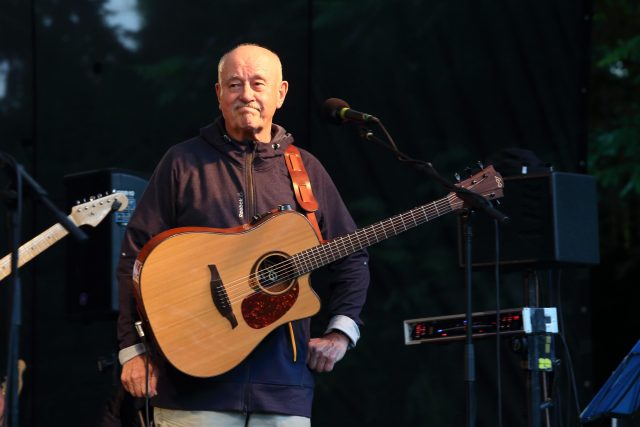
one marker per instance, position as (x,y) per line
(211,295)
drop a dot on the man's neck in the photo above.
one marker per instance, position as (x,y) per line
(251,135)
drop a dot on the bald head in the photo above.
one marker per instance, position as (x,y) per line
(251,48)
(250,89)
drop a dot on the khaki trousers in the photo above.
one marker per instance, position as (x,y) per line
(174,418)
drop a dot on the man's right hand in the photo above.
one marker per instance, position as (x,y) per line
(133,376)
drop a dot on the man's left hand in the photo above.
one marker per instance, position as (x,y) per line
(326,351)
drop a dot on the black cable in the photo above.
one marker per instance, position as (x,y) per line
(146,389)
(11,414)
(570,370)
(555,395)
(572,376)
(498,323)
(147,356)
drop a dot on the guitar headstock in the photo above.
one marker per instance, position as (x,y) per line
(96,209)
(488,183)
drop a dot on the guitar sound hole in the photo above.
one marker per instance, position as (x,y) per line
(274,274)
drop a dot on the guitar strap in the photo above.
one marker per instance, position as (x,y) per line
(302,186)
(306,200)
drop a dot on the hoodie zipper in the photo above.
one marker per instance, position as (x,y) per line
(248,165)
(251,211)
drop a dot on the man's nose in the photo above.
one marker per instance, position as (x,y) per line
(247,93)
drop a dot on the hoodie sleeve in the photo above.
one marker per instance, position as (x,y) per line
(349,277)
(154,213)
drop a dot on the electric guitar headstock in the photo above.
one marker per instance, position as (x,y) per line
(96,209)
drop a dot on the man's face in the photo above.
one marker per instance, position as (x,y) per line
(249,90)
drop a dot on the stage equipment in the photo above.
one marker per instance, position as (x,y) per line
(92,287)
(554,222)
(620,396)
(338,112)
(513,321)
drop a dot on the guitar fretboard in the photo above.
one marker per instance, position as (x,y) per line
(33,248)
(335,249)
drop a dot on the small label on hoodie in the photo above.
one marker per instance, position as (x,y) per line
(240,205)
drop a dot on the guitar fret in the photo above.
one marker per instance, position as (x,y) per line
(353,248)
(344,248)
(314,259)
(326,258)
(413,217)
(403,224)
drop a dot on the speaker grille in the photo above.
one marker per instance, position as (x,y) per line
(92,287)
(553,221)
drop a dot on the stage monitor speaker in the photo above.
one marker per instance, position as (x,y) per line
(92,287)
(553,222)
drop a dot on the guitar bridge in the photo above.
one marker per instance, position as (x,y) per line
(220,297)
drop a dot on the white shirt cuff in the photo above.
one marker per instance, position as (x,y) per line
(130,352)
(345,325)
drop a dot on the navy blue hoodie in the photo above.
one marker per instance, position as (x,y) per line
(214,181)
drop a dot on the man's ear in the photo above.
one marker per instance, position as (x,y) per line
(282,92)
(218,88)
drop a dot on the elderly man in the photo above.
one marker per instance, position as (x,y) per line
(233,170)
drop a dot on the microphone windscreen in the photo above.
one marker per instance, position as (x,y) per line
(331,107)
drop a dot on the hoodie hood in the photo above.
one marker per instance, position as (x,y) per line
(216,135)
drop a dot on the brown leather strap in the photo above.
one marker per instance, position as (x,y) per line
(302,186)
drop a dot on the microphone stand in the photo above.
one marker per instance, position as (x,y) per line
(473,201)
(13,201)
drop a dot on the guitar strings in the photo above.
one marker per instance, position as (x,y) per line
(317,256)
(449,202)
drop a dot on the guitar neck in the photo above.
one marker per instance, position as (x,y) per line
(33,248)
(335,249)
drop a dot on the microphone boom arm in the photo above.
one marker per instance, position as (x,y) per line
(474,200)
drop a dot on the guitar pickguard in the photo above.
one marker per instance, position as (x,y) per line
(261,309)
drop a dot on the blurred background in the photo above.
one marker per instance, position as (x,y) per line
(92,93)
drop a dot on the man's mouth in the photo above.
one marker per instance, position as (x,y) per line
(249,106)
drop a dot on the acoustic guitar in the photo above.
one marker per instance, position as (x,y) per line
(211,295)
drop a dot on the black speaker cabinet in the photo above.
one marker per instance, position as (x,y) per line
(92,288)
(553,222)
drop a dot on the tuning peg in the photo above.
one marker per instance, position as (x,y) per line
(456,176)
(468,171)
(77,202)
(99,195)
(92,198)
(480,164)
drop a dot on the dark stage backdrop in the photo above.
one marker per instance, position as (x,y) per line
(101,84)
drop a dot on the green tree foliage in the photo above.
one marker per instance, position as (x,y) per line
(614,159)
(614,149)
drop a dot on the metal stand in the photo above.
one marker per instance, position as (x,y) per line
(13,201)
(469,349)
(540,357)
(472,201)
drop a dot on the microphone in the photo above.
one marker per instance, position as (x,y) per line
(338,112)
